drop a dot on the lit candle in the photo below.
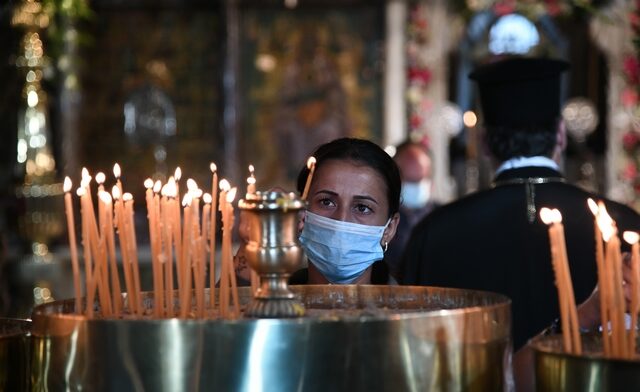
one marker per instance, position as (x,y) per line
(632,238)
(251,181)
(167,213)
(602,282)
(81,192)
(185,285)
(133,250)
(226,245)
(123,237)
(212,237)
(613,281)
(116,173)
(157,187)
(311,165)
(153,240)
(231,195)
(568,312)
(105,198)
(72,244)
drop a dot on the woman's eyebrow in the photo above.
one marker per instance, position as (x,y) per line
(365,197)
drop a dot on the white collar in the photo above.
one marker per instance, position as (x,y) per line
(518,162)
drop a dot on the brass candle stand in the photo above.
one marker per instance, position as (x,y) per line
(273,251)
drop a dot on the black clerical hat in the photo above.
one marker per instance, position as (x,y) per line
(520,91)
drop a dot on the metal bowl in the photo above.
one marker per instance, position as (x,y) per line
(14,354)
(556,370)
(354,338)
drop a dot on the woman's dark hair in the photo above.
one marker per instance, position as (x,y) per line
(366,153)
(510,142)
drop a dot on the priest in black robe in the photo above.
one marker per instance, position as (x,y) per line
(494,239)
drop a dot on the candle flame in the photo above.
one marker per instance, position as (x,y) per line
(207,198)
(593,206)
(224,185)
(116,170)
(127,196)
(231,195)
(100,177)
(197,193)
(171,191)
(115,191)
(251,169)
(557,216)
(191,185)
(148,183)
(213,167)
(631,237)
(177,174)
(81,191)
(186,200)
(105,197)
(85,181)
(546,215)
(605,223)
(67,184)
(157,186)
(85,172)
(311,162)
(251,180)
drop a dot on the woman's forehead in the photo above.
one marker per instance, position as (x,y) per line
(347,176)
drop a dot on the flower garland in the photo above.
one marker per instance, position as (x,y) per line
(631,138)
(419,74)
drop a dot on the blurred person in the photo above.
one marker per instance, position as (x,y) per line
(493,239)
(414,162)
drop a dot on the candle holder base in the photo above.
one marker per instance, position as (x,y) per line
(274,308)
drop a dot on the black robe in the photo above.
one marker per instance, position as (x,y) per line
(485,242)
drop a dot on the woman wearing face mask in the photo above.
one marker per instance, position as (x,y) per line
(352,213)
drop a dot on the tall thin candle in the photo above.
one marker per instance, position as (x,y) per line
(72,244)
(311,165)
(212,237)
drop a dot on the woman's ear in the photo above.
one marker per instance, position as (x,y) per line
(390,230)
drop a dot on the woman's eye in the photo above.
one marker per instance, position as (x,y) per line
(326,202)
(363,209)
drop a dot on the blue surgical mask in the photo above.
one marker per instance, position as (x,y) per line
(341,251)
(415,194)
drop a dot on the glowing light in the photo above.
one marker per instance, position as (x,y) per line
(127,196)
(469,119)
(231,195)
(115,191)
(81,191)
(32,99)
(546,215)
(311,162)
(178,173)
(207,198)
(157,186)
(224,185)
(186,200)
(116,170)
(100,178)
(631,237)
(213,167)
(593,206)
(148,183)
(105,197)
(192,186)
(67,184)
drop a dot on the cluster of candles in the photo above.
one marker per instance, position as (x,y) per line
(617,342)
(182,239)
